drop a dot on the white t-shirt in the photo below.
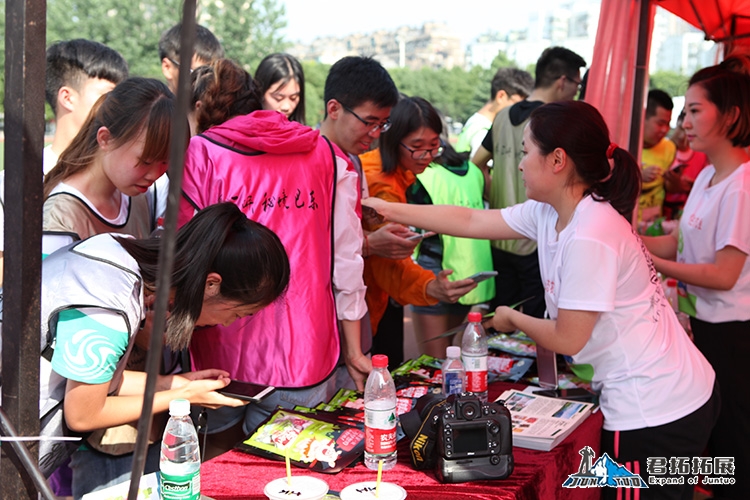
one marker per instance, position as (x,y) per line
(716,217)
(646,369)
(476,126)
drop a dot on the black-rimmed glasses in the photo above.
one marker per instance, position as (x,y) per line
(374,127)
(577,82)
(421,154)
(176,63)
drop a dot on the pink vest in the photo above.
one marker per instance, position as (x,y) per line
(293,342)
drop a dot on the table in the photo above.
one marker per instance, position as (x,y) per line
(537,475)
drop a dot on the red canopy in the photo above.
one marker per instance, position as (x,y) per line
(720,20)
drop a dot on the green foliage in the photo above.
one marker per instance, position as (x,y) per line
(671,82)
(457,93)
(315,79)
(249,30)
(131,29)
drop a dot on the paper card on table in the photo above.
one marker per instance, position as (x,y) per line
(541,423)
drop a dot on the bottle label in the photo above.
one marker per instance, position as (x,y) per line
(380,431)
(187,487)
(476,373)
(453,383)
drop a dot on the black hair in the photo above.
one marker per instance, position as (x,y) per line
(728,89)
(70,62)
(657,99)
(282,68)
(227,91)
(206,46)
(248,256)
(579,129)
(355,80)
(409,114)
(554,63)
(513,81)
(136,105)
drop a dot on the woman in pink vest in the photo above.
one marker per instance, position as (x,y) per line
(289,178)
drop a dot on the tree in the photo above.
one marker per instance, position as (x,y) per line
(131,29)
(249,30)
(671,82)
(315,79)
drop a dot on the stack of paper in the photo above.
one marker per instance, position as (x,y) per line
(541,423)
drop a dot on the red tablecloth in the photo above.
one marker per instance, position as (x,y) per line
(537,474)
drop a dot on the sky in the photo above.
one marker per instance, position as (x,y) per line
(308,19)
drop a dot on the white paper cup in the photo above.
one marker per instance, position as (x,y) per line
(302,488)
(366,491)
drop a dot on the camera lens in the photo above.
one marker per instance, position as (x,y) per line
(469,410)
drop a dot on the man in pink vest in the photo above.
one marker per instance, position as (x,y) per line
(289,178)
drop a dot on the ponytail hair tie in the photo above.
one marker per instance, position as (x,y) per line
(611,150)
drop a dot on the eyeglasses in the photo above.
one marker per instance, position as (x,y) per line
(374,127)
(577,82)
(177,64)
(421,154)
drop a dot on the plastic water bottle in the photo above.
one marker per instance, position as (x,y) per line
(180,462)
(454,374)
(380,416)
(474,356)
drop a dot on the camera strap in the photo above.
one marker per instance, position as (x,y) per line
(422,445)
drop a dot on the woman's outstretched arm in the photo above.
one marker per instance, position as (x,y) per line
(447,219)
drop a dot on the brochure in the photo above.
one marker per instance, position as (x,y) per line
(541,423)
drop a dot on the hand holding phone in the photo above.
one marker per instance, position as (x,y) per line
(420,236)
(484,275)
(246,391)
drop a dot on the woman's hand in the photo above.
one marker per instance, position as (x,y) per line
(375,204)
(448,291)
(202,391)
(390,241)
(502,320)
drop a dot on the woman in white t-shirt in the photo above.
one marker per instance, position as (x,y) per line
(605,301)
(708,253)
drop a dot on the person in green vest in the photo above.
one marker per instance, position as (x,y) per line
(451,179)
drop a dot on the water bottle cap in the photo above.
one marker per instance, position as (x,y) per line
(671,282)
(475,317)
(380,361)
(179,407)
(453,351)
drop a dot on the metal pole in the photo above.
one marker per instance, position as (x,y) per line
(24,140)
(25,459)
(167,249)
(645,26)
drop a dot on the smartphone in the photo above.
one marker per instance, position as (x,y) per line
(246,391)
(484,275)
(420,236)
(577,394)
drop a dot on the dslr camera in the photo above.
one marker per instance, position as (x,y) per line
(463,438)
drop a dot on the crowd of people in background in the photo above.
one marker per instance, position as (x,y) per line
(298,247)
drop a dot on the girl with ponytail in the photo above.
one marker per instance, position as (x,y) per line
(95,296)
(604,300)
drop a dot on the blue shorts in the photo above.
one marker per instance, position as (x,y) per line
(435,264)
